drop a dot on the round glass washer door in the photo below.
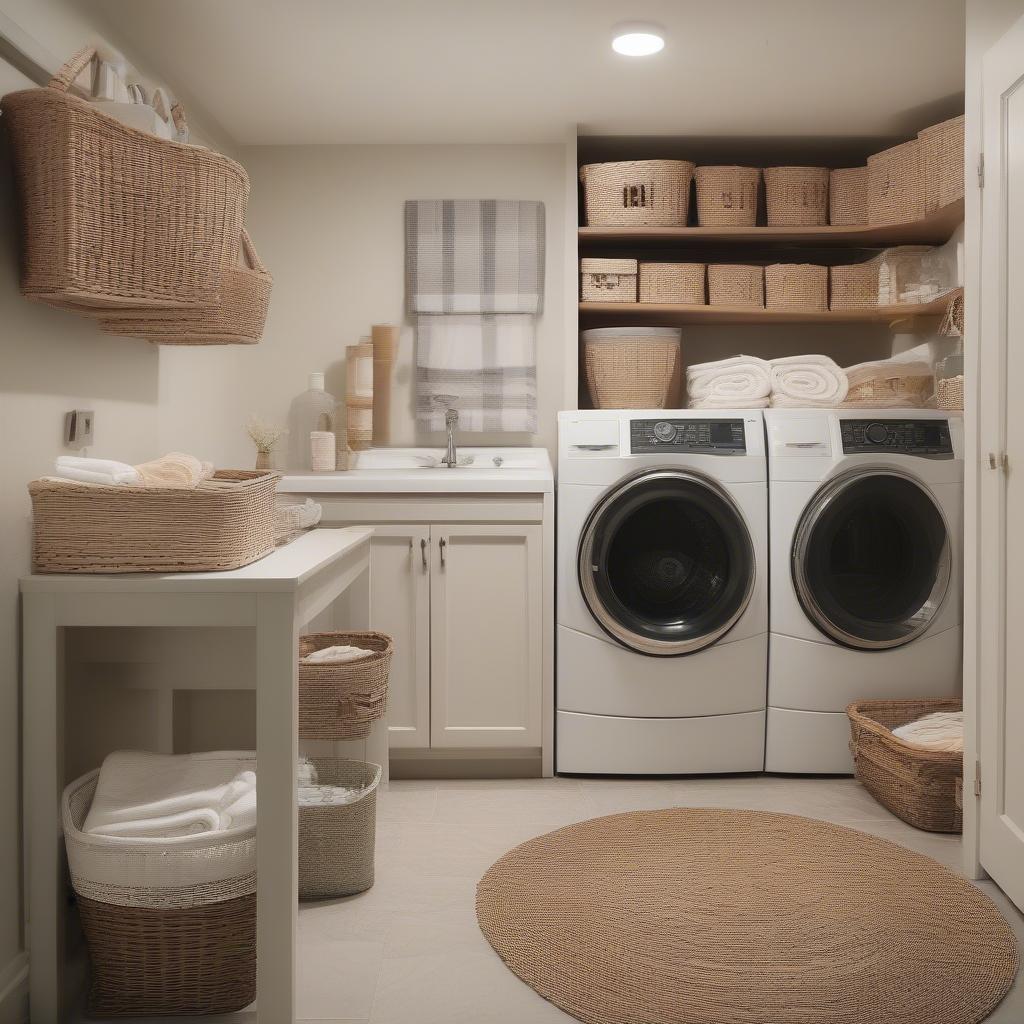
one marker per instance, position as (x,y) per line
(665,562)
(871,559)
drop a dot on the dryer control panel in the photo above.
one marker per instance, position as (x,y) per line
(705,437)
(905,437)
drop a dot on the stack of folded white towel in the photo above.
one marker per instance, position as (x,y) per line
(747,382)
(175,469)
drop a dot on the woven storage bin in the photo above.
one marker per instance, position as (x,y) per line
(170,924)
(113,216)
(343,700)
(336,843)
(892,392)
(949,393)
(604,280)
(635,193)
(672,282)
(848,196)
(796,195)
(796,286)
(917,785)
(237,319)
(224,523)
(895,188)
(631,367)
(727,195)
(942,163)
(854,286)
(735,284)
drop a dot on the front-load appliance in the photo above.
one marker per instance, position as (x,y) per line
(662,592)
(866,546)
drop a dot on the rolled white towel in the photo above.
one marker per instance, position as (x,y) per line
(807,382)
(336,655)
(741,382)
(95,471)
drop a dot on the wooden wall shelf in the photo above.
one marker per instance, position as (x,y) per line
(676,314)
(932,230)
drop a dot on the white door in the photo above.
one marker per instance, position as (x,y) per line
(400,607)
(1001,488)
(485,627)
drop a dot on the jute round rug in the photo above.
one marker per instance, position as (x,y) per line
(708,916)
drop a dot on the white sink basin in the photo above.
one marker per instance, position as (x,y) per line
(420,470)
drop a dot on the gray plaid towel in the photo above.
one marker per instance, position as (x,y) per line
(484,366)
(474,255)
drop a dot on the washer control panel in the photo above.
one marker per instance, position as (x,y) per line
(905,437)
(708,437)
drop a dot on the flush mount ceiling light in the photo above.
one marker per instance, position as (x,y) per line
(638,39)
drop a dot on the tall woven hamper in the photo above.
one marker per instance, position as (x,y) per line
(634,193)
(917,785)
(113,217)
(170,925)
(727,195)
(631,367)
(337,841)
(342,700)
(796,196)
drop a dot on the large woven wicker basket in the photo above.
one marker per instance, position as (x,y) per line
(917,785)
(170,924)
(236,319)
(796,195)
(727,195)
(796,286)
(336,842)
(631,367)
(112,216)
(342,700)
(634,193)
(224,523)
(895,187)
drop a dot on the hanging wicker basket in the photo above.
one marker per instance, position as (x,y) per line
(114,217)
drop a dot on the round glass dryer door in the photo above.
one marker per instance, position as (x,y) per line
(666,564)
(871,559)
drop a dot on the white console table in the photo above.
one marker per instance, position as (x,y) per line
(274,597)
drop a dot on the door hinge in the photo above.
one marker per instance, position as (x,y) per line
(977,778)
(981,170)
(999,460)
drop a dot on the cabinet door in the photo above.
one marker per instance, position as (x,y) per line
(399,606)
(485,636)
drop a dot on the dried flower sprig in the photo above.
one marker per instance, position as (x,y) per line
(264,435)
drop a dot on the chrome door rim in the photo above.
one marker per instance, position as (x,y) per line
(809,519)
(635,641)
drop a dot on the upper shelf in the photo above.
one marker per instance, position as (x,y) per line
(934,229)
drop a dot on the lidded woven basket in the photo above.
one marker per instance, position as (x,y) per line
(796,196)
(727,195)
(796,286)
(736,284)
(608,280)
(636,193)
(631,367)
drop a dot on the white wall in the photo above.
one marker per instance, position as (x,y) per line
(328,223)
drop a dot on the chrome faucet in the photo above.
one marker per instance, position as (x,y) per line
(451,421)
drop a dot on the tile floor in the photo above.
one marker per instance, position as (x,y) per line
(408,951)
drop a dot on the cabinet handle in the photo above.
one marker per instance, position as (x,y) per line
(423,552)
(442,544)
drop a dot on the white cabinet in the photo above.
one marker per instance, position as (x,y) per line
(485,636)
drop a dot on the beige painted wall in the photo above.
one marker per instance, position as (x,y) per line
(328,223)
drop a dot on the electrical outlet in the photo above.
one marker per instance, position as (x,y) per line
(78,428)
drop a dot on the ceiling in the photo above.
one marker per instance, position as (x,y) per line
(450,71)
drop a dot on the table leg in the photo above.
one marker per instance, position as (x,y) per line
(43,785)
(277,752)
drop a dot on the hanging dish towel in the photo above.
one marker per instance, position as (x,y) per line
(807,382)
(482,366)
(474,255)
(741,382)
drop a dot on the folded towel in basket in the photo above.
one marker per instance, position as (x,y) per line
(95,471)
(807,382)
(143,795)
(336,655)
(940,730)
(741,382)
(175,469)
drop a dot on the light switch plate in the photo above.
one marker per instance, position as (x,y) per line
(78,428)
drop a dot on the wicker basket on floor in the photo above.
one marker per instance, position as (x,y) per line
(796,286)
(336,842)
(634,193)
(848,196)
(236,319)
(224,523)
(672,282)
(917,785)
(631,367)
(342,700)
(895,186)
(727,195)
(170,924)
(942,163)
(604,280)
(796,196)
(736,284)
(113,217)
(854,285)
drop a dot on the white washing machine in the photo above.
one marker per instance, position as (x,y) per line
(866,519)
(662,592)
